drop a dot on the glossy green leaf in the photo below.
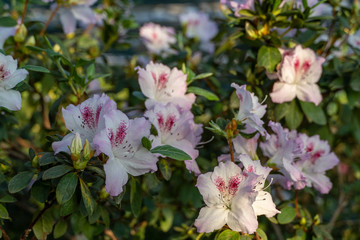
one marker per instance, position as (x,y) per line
(56,171)
(87,198)
(43,225)
(3,212)
(313,113)
(47,158)
(165,168)
(280,111)
(268,57)
(36,68)
(287,215)
(202,92)
(294,116)
(171,152)
(66,187)
(228,235)
(7,22)
(20,181)
(146,143)
(60,228)
(135,197)
(262,234)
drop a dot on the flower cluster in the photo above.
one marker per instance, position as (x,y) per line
(302,160)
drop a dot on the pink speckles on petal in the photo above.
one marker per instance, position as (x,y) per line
(234,184)
(162,80)
(296,64)
(306,65)
(154,77)
(317,155)
(160,119)
(310,147)
(88,117)
(220,185)
(170,122)
(118,138)
(98,111)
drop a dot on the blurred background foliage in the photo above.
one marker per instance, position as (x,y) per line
(109,54)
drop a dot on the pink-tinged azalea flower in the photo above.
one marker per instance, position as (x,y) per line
(74,10)
(284,148)
(250,111)
(299,72)
(198,25)
(163,85)
(87,119)
(10,76)
(178,129)
(121,141)
(230,197)
(263,204)
(5,33)
(319,159)
(157,38)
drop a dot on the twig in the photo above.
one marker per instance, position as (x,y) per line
(287,31)
(24,12)
(257,237)
(4,235)
(49,20)
(231,149)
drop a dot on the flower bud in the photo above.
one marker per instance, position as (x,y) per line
(35,162)
(76,147)
(87,153)
(21,33)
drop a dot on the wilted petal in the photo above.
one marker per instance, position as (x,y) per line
(116,176)
(10,99)
(211,219)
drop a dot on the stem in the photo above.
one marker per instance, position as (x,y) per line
(231,149)
(287,31)
(27,231)
(4,235)
(257,237)
(298,215)
(49,20)
(24,12)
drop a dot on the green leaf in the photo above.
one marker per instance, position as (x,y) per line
(202,76)
(166,224)
(202,92)
(40,191)
(3,212)
(294,116)
(165,168)
(355,81)
(7,199)
(69,206)
(66,187)
(36,68)
(262,234)
(105,216)
(287,215)
(313,113)
(20,181)
(7,22)
(43,226)
(322,232)
(146,143)
(31,153)
(171,152)
(60,228)
(268,57)
(280,111)
(228,235)
(135,197)
(47,158)
(56,172)
(97,170)
(88,200)
(90,72)
(139,95)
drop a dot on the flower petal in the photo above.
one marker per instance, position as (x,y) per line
(211,219)
(283,92)
(208,189)
(64,144)
(320,182)
(16,77)
(142,162)
(84,13)
(309,93)
(264,205)
(10,99)
(116,176)
(67,20)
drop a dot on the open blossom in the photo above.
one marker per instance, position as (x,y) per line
(163,85)
(284,148)
(178,129)
(121,141)
(75,10)
(298,74)
(250,111)
(10,76)
(318,160)
(198,25)
(231,197)
(157,38)
(87,119)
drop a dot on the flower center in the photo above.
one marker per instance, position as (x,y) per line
(3,72)
(228,190)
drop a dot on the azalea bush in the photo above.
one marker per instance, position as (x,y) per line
(244,126)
